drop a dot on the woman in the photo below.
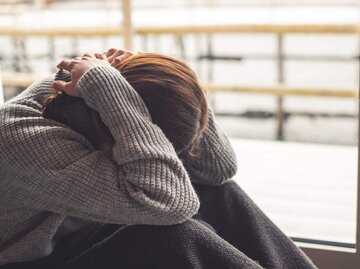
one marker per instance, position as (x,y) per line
(115,151)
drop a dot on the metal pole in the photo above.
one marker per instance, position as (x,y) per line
(357,232)
(128,31)
(52,54)
(210,73)
(145,43)
(280,80)
(181,44)
(1,90)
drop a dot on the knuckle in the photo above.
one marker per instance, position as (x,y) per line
(62,63)
(111,51)
(120,52)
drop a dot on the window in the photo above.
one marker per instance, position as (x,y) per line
(283,79)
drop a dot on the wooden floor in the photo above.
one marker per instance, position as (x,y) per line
(308,190)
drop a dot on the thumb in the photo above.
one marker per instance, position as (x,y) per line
(67,87)
(59,85)
(101,56)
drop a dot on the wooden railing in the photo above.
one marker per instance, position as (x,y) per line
(279,30)
(22,80)
(187,29)
(18,80)
(281,90)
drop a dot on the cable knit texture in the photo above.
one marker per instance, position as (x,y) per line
(53,182)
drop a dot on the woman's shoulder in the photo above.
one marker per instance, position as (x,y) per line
(26,107)
(22,120)
(24,130)
(35,93)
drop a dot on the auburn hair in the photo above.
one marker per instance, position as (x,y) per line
(170,90)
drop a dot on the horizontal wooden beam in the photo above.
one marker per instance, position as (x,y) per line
(24,80)
(255,28)
(187,29)
(58,32)
(21,80)
(281,90)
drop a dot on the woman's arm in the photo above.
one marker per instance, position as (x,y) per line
(47,166)
(216,161)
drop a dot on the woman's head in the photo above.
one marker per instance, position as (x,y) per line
(172,94)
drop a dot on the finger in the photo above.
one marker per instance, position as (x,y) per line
(101,56)
(88,55)
(66,87)
(66,64)
(116,62)
(59,85)
(110,52)
(116,54)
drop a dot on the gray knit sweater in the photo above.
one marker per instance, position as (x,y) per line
(53,182)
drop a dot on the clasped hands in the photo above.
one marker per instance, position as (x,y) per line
(80,65)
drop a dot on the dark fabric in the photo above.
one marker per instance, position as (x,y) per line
(239,221)
(229,231)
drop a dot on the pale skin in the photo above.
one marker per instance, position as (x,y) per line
(80,65)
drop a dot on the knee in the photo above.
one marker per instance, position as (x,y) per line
(189,230)
(191,227)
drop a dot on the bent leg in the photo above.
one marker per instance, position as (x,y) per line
(182,246)
(237,219)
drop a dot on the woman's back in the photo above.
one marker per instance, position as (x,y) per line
(54,174)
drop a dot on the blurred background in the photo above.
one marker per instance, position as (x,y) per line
(282,77)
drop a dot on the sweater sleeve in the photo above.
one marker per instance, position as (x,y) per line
(215,161)
(46,165)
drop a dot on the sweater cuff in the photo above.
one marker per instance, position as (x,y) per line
(97,82)
(63,75)
(122,109)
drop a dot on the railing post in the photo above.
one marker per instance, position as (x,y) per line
(128,31)
(181,44)
(210,69)
(357,240)
(52,53)
(75,46)
(2,98)
(21,56)
(209,47)
(198,49)
(280,81)
(145,43)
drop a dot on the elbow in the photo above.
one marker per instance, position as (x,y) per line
(166,199)
(181,211)
(226,167)
(231,169)
(226,171)
(185,211)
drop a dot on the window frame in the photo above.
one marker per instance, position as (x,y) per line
(339,257)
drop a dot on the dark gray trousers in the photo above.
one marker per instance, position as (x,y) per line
(229,231)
